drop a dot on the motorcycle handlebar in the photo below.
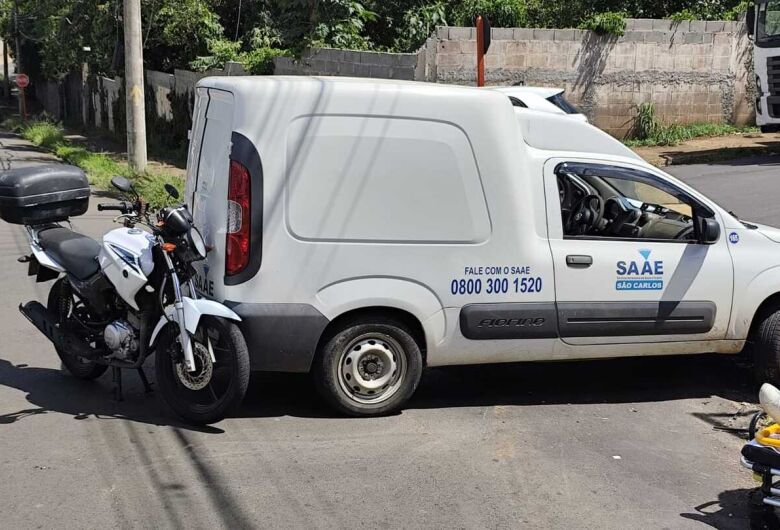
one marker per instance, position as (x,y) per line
(120,207)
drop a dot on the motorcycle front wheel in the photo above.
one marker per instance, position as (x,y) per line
(216,388)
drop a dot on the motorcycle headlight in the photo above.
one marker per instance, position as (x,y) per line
(198,245)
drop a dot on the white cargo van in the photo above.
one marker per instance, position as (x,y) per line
(365,229)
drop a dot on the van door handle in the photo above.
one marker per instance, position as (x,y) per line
(573,260)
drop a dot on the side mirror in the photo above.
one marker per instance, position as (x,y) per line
(709,231)
(750,19)
(122,184)
(172,191)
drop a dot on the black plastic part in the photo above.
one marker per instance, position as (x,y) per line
(280,337)
(48,324)
(244,152)
(485,34)
(43,194)
(618,319)
(522,320)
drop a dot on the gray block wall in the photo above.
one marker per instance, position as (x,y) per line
(693,71)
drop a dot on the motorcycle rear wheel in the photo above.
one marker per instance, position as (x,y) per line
(214,390)
(60,302)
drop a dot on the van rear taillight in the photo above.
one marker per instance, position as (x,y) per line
(238,225)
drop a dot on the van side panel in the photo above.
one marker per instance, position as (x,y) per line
(368,183)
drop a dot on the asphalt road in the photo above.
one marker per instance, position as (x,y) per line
(645,443)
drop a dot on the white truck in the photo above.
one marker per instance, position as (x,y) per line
(365,229)
(763,27)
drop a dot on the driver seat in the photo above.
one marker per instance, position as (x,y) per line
(77,253)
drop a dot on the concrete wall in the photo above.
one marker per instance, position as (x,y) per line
(328,61)
(87,100)
(693,71)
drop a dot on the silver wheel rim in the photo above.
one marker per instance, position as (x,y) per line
(371,368)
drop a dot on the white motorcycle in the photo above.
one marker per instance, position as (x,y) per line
(114,304)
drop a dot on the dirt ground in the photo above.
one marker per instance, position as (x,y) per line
(718,148)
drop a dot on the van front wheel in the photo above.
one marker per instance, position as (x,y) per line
(369,369)
(766,348)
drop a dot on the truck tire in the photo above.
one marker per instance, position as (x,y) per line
(368,368)
(766,348)
(773,128)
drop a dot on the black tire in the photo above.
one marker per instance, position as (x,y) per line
(332,375)
(766,348)
(773,128)
(226,386)
(61,303)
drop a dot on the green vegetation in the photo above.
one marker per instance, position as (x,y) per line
(608,23)
(649,132)
(99,167)
(43,133)
(58,36)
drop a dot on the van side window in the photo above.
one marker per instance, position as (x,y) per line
(378,179)
(602,201)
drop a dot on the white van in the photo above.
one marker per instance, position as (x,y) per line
(365,229)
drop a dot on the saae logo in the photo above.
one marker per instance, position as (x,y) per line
(644,275)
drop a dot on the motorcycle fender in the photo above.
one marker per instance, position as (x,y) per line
(193,310)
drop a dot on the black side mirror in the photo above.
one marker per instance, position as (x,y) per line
(122,184)
(750,19)
(172,191)
(709,230)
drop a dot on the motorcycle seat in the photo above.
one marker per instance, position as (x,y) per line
(77,253)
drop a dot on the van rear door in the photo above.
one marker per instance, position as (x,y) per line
(207,179)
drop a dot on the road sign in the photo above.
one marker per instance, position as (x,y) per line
(22,80)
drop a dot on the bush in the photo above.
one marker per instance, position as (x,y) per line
(258,61)
(418,24)
(43,133)
(607,23)
(501,13)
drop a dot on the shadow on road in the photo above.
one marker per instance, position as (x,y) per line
(522,384)
(580,382)
(733,509)
(53,391)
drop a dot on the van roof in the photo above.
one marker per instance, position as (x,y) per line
(540,130)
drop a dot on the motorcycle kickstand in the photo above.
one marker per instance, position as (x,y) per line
(116,377)
(147,385)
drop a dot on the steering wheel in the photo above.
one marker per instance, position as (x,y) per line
(586,215)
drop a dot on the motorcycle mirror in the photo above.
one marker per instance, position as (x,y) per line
(172,191)
(122,184)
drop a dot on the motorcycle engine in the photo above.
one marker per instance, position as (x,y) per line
(121,339)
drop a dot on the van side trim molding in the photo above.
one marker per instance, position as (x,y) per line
(523,320)
(617,319)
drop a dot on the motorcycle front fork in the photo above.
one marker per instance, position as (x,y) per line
(178,307)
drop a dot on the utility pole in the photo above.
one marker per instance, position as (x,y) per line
(134,86)
(17,47)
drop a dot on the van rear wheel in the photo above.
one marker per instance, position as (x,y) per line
(369,369)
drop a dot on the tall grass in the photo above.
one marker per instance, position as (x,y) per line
(649,132)
(43,133)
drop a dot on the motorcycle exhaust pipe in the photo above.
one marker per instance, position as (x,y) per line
(48,324)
